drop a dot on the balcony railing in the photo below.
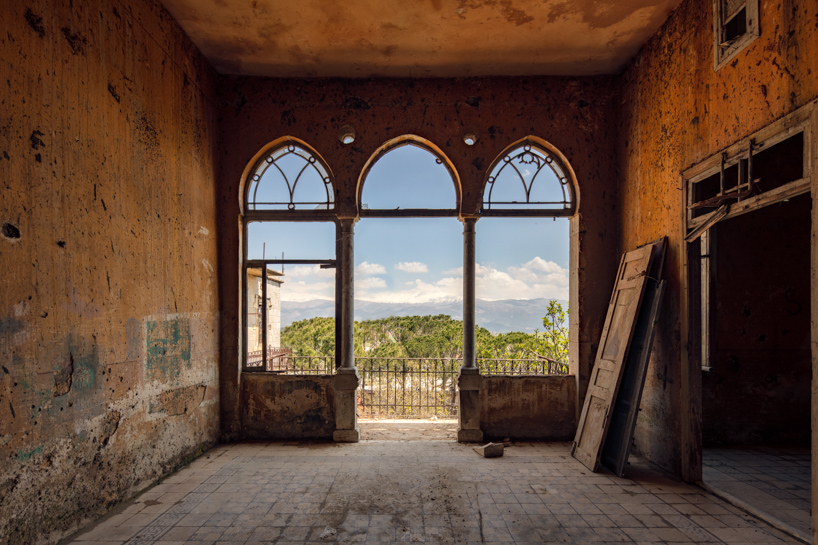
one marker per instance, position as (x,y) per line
(406,387)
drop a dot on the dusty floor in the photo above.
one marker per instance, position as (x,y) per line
(774,482)
(408,430)
(418,491)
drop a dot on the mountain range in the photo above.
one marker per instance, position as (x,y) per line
(497,316)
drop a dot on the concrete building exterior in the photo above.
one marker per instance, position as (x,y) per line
(255,307)
(127,133)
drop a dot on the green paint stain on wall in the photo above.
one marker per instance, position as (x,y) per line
(85,373)
(168,348)
(26,455)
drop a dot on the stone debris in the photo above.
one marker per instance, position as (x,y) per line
(490,450)
(328,533)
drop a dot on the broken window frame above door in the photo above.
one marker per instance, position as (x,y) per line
(749,193)
(746,195)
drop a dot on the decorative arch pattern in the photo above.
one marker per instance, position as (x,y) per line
(440,158)
(288,175)
(531,178)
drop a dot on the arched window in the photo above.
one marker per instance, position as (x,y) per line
(289,252)
(408,176)
(289,176)
(528,182)
(529,178)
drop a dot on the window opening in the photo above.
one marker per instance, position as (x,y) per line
(735,26)
(522,295)
(528,179)
(408,312)
(290,177)
(408,177)
(299,286)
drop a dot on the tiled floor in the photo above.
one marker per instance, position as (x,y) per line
(775,481)
(408,430)
(411,491)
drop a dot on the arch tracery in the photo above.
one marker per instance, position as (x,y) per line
(530,177)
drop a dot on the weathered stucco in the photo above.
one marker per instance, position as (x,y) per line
(676,111)
(533,408)
(373,38)
(287,407)
(577,116)
(108,301)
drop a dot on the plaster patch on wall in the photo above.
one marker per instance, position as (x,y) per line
(168,348)
(133,335)
(78,305)
(63,377)
(179,401)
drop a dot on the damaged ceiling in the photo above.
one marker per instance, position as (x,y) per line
(419,38)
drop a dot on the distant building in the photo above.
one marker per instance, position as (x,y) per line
(255,308)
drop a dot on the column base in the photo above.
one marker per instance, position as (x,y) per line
(469,436)
(348,436)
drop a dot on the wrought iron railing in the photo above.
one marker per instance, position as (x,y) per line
(531,366)
(406,387)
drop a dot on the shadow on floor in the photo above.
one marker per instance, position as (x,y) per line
(770,482)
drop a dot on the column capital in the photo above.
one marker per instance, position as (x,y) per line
(469,378)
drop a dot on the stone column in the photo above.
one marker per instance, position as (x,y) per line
(346,375)
(469,380)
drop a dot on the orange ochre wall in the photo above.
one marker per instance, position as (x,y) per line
(675,112)
(108,290)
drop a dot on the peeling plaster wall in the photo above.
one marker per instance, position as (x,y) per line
(287,407)
(108,300)
(676,111)
(532,408)
(576,115)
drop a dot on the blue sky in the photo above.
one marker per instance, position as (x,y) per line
(404,260)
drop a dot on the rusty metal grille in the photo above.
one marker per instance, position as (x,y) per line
(497,366)
(286,363)
(407,387)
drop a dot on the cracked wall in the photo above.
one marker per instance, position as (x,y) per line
(108,298)
(676,112)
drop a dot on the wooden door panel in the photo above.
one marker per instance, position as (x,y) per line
(623,415)
(611,355)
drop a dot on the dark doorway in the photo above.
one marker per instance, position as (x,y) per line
(756,377)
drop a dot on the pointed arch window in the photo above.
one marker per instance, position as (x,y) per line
(290,177)
(531,179)
(408,177)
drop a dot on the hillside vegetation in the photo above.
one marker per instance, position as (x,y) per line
(437,336)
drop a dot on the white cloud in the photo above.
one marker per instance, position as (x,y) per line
(538,278)
(412,267)
(307,291)
(370,283)
(307,271)
(367,268)
(533,280)
(418,291)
